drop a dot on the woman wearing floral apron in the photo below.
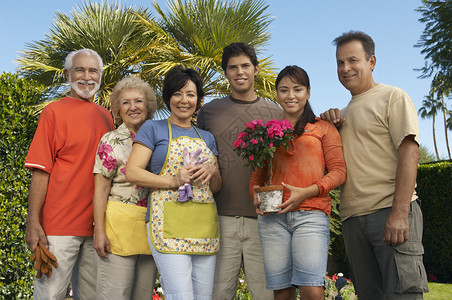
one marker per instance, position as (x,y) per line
(178,162)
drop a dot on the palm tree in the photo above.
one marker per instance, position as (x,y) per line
(436,40)
(109,29)
(430,109)
(441,87)
(131,42)
(449,120)
(202,28)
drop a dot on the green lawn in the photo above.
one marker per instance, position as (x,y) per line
(439,291)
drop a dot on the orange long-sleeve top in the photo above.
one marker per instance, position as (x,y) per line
(305,163)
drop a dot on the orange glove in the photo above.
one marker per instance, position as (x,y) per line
(44,260)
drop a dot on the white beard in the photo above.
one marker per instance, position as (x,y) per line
(84,93)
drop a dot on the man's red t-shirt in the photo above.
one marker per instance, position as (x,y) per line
(64,146)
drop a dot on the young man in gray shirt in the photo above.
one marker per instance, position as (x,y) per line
(225,118)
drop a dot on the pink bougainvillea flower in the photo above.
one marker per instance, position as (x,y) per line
(285,124)
(109,163)
(335,278)
(241,135)
(237,143)
(273,130)
(252,143)
(103,150)
(253,124)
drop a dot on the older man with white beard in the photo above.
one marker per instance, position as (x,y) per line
(61,158)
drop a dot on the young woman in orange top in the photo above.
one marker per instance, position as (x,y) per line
(295,240)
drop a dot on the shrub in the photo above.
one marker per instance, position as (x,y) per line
(17,125)
(337,259)
(435,190)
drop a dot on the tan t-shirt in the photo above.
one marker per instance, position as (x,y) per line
(376,123)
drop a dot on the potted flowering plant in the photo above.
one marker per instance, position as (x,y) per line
(257,145)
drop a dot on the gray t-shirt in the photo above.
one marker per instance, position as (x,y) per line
(225,118)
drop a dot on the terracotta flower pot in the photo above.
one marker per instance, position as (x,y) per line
(271,197)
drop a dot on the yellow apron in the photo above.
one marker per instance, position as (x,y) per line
(184,227)
(126,229)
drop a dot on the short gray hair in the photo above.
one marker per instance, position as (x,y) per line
(132,83)
(86,51)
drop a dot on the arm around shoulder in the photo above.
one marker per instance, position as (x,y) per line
(334,116)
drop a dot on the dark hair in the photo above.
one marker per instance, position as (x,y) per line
(365,39)
(176,79)
(237,49)
(298,75)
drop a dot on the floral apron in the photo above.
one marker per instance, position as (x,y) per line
(184,227)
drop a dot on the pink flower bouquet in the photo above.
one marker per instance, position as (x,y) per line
(259,141)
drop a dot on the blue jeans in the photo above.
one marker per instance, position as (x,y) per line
(295,248)
(184,276)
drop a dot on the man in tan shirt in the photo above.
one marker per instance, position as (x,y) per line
(381,217)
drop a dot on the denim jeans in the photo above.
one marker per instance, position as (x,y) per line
(295,248)
(184,276)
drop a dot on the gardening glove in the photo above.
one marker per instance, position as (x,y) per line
(190,159)
(185,193)
(44,260)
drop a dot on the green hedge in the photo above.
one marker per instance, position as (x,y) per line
(337,259)
(435,191)
(17,124)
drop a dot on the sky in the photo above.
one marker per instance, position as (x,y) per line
(302,32)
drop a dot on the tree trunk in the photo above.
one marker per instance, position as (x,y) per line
(434,138)
(445,125)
